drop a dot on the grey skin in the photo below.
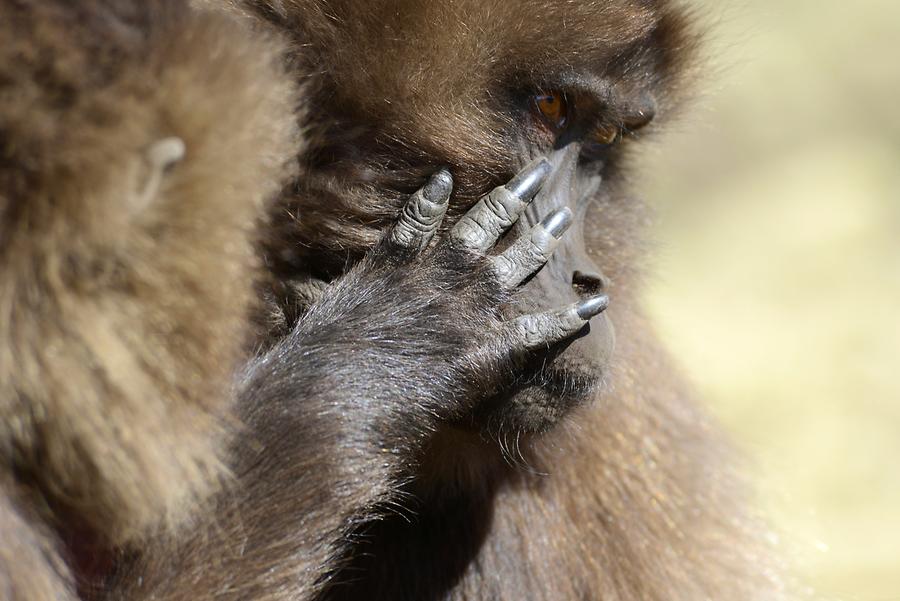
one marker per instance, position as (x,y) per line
(574,187)
(530,252)
(422,215)
(479,230)
(346,405)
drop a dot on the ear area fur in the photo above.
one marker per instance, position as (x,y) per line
(157,160)
(142,143)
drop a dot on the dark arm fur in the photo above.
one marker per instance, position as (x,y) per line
(337,415)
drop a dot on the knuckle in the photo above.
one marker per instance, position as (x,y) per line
(529,257)
(528,332)
(403,236)
(534,256)
(503,267)
(497,205)
(542,241)
(537,330)
(470,232)
(416,227)
(424,210)
(414,219)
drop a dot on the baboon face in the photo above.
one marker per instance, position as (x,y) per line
(484,87)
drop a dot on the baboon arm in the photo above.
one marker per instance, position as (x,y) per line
(337,413)
(308,469)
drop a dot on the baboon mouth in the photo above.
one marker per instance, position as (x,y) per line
(539,399)
(552,382)
(565,369)
(547,386)
(560,382)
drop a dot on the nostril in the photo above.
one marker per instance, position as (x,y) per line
(587,282)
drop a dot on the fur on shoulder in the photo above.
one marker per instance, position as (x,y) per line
(139,143)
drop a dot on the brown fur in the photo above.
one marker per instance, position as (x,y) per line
(122,323)
(410,86)
(30,563)
(631,498)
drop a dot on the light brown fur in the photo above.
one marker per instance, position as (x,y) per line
(635,497)
(124,328)
(123,319)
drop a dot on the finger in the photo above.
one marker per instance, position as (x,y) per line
(422,214)
(539,330)
(529,253)
(479,229)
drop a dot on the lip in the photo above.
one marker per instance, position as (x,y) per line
(544,391)
(578,386)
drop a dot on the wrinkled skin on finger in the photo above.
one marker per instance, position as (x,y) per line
(498,210)
(573,371)
(531,251)
(562,368)
(457,289)
(422,215)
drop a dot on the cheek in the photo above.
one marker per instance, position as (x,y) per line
(535,139)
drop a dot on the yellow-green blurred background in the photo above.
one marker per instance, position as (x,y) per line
(778,282)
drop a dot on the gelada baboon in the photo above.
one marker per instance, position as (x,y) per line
(241,365)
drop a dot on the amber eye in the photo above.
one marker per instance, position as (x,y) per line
(553,108)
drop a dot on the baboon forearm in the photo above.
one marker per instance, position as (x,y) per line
(311,463)
(337,412)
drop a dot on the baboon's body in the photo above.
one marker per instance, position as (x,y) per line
(370,453)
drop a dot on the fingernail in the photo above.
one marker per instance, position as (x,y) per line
(529,180)
(439,186)
(558,222)
(592,306)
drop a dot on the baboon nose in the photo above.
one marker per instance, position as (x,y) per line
(641,112)
(587,283)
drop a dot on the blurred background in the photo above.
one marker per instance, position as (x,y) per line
(778,282)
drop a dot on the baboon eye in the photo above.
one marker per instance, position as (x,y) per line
(553,108)
(556,112)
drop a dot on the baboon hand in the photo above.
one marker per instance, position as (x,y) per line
(430,304)
(476,233)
